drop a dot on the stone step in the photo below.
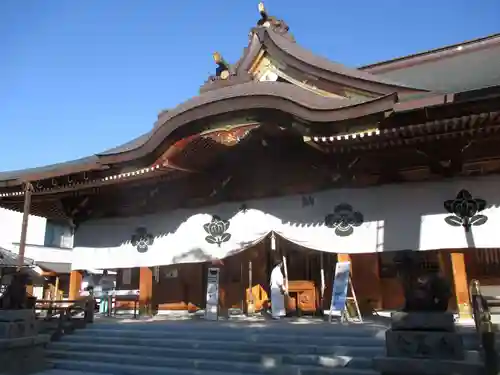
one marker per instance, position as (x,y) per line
(216,342)
(320,330)
(320,364)
(236,335)
(183,348)
(200,368)
(69,372)
(471,340)
(349,357)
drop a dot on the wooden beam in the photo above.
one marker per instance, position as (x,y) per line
(75,283)
(48,274)
(28,189)
(145,290)
(461,284)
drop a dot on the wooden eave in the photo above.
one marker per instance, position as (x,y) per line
(475,126)
(314,109)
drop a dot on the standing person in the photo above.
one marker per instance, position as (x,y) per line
(87,286)
(107,285)
(277,292)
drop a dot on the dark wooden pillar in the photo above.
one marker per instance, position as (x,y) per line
(28,189)
(366,280)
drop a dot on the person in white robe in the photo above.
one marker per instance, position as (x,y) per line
(88,284)
(277,292)
(107,284)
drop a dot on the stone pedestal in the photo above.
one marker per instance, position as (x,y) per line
(17,323)
(424,343)
(21,347)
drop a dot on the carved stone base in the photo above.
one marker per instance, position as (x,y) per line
(25,355)
(17,323)
(422,321)
(419,366)
(421,344)
(424,343)
(21,347)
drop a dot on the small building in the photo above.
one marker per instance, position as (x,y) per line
(48,245)
(9,264)
(285,153)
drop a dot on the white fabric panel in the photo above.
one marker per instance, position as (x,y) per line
(394,217)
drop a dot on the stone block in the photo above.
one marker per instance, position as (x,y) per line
(17,323)
(423,321)
(419,366)
(16,315)
(420,344)
(24,355)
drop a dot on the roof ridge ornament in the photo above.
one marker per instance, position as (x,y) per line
(271,22)
(225,75)
(223,68)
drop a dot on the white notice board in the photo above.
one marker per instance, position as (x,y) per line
(340,285)
(211,310)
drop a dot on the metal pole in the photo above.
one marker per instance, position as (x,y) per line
(28,189)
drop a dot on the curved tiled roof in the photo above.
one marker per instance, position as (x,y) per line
(52,170)
(11,259)
(277,43)
(252,95)
(245,95)
(287,51)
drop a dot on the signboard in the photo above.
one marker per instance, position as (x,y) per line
(212,309)
(340,285)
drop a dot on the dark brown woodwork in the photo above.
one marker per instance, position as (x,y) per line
(303,297)
(178,288)
(448,160)
(266,166)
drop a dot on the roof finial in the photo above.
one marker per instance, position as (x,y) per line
(263,14)
(278,26)
(222,66)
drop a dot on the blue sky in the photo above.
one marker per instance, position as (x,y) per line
(78,77)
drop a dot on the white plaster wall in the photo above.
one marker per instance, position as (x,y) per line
(45,253)
(10,228)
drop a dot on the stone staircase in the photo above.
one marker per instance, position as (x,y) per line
(218,348)
(223,348)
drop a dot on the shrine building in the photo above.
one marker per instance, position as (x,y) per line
(287,154)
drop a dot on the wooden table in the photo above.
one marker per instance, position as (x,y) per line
(302,297)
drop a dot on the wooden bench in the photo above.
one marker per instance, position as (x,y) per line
(117,298)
